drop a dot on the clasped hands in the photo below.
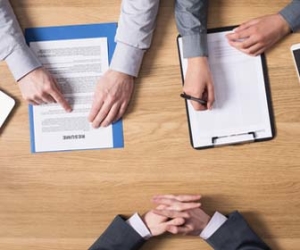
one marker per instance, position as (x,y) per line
(176,214)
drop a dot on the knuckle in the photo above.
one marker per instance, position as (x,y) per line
(47,88)
(27,98)
(40,93)
(187,215)
(36,95)
(121,112)
(177,208)
(251,52)
(260,37)
(248,51)
(111,97)
(244,46)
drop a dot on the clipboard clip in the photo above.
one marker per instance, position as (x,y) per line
(233,139)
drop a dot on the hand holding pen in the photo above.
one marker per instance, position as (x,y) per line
(195,99)
(198,85)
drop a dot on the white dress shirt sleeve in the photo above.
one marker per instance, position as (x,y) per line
(134,34)
(13,49)
(139,226)
(213,225)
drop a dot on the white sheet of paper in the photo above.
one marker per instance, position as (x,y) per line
(240,96)
(6,106)
(77,65)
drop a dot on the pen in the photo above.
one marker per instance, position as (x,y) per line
(188,97)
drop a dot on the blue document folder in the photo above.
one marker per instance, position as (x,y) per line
(85,31)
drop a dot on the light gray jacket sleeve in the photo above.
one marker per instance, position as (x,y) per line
(134,34)
(13,49)
(291,13)
(191,20)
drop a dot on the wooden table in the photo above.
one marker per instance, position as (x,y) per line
(66,200)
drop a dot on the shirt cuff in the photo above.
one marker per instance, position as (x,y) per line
(139,226)
(127,59)
(22,61)
(213,225)
(195,45)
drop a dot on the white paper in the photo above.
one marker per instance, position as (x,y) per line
(6,106)
(77,65)
(240,104)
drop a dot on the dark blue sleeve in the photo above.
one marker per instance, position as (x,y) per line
(236,234)
(118,236)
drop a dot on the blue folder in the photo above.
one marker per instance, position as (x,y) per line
(77,32)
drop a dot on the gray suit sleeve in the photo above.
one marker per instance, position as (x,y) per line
(118,236)
(236,234)
(191,20)
(291,13)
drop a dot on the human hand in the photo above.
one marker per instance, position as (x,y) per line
(159,224)
(257,35)
(111,98)
(39,87)
(195,218)
(198,82)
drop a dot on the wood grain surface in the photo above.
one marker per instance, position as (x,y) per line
(65,200)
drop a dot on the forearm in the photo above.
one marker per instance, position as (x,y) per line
(235,233)
(118,236)
(13,48)
(291,13)
(134,34)
(191,20)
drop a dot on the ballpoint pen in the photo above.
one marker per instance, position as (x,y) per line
(188,97)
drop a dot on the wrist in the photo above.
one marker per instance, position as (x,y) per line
(196,62)
(206,221)
(284,25)
(214,223)
(115,73)
(143,218)
(138,224)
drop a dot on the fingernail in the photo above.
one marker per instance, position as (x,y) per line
(95,126)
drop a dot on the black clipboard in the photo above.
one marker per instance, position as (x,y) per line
(204,129)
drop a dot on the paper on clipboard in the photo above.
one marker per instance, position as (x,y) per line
(241,112)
